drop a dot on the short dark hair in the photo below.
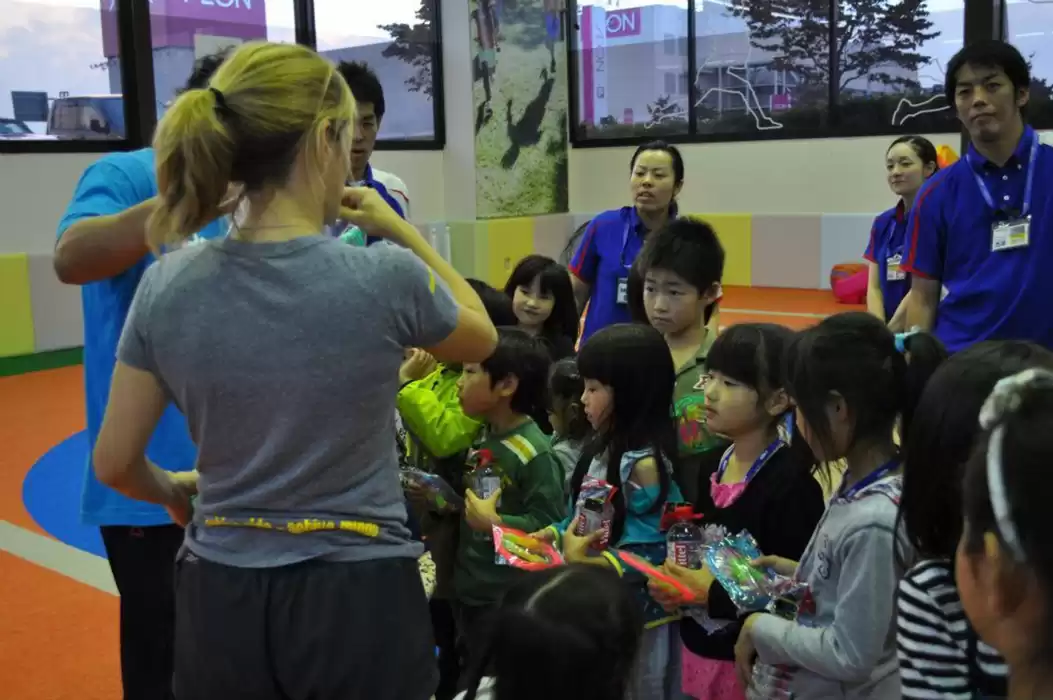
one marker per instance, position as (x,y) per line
(673,151)
(946,425)
(922,148)
(498,306)
(364,84)
(518,354)
(204,68)
(989,54)
(689,248)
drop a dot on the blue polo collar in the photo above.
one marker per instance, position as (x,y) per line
(637,223)
(1019,158)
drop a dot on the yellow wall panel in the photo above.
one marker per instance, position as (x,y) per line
(734,232)
(16,311)
(507,242)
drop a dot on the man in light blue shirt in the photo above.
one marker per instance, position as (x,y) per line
(102,247)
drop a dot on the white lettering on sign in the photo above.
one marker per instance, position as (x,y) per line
(622,23)
(225,4)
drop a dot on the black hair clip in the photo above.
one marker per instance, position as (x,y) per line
(222,108)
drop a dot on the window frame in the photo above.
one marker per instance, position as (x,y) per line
(137,80)
(979,24)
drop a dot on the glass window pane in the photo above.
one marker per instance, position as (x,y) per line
(1031,31)
(629,63)
(396,38)
(895,59)
(58,59)
(182,32)
(761,66)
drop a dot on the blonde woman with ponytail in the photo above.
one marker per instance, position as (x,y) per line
(298,576)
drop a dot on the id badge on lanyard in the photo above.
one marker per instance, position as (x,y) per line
(623,282)
(894,271)
(1014,232)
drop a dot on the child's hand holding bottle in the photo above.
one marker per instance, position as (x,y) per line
(481,513)
(581,549)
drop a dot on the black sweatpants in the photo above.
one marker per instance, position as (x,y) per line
(313,631)
(142,560)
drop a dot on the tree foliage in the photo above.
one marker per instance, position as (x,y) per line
(415,44)
(877,40)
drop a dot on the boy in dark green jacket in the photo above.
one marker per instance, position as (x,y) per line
(503,391)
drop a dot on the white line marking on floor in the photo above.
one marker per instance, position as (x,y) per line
(762,312)
(57,556)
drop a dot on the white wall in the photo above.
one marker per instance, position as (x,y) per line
(36,188)
(757,177)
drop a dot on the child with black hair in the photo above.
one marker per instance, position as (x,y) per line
(566,413)
(628,374)
(434,434)
(939,653)
(1004,564)
(566,632)
(763,483)
(680,267)
(543,301)
(503,392)
(850,381)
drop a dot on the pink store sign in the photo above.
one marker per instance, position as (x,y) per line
(175,22)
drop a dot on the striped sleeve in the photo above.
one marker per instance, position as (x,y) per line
(932,637)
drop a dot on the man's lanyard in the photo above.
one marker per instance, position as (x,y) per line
(1029,182)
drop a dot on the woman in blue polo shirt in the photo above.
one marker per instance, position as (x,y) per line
(909,161)
(600,267)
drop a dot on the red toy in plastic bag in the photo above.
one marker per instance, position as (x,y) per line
(653,572)
(518,549)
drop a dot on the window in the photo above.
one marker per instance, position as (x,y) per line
(183,32)
(398,40)
(760,71)
(892,73)
(628,67)
(1030,29)
(55,70)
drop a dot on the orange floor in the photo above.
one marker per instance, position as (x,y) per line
(59,637)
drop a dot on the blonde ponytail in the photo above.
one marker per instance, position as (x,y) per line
(264,104)
(194,150)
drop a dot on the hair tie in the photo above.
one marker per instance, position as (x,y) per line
(902,338)
(1005,400)
(221,102)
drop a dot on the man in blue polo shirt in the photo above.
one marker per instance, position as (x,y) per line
(369,99)
(102,247)
(981,231)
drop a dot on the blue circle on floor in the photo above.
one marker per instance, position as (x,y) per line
(51,494)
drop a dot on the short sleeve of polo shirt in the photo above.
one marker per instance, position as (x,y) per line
(425,312)
(586,260)
(870,253)
(104,189)
(925,234)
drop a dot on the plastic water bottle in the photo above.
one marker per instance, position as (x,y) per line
(685,541)
(595,514)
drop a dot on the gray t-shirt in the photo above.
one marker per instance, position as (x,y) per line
(284,358)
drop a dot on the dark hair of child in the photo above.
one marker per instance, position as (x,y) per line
(1007,491)
(942,434)
(752,355)
(566,387)
(566,633)
(498,306)
(520,355)
(634,361)
(689,248)
(562,325)
(922,148)
(854,355)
